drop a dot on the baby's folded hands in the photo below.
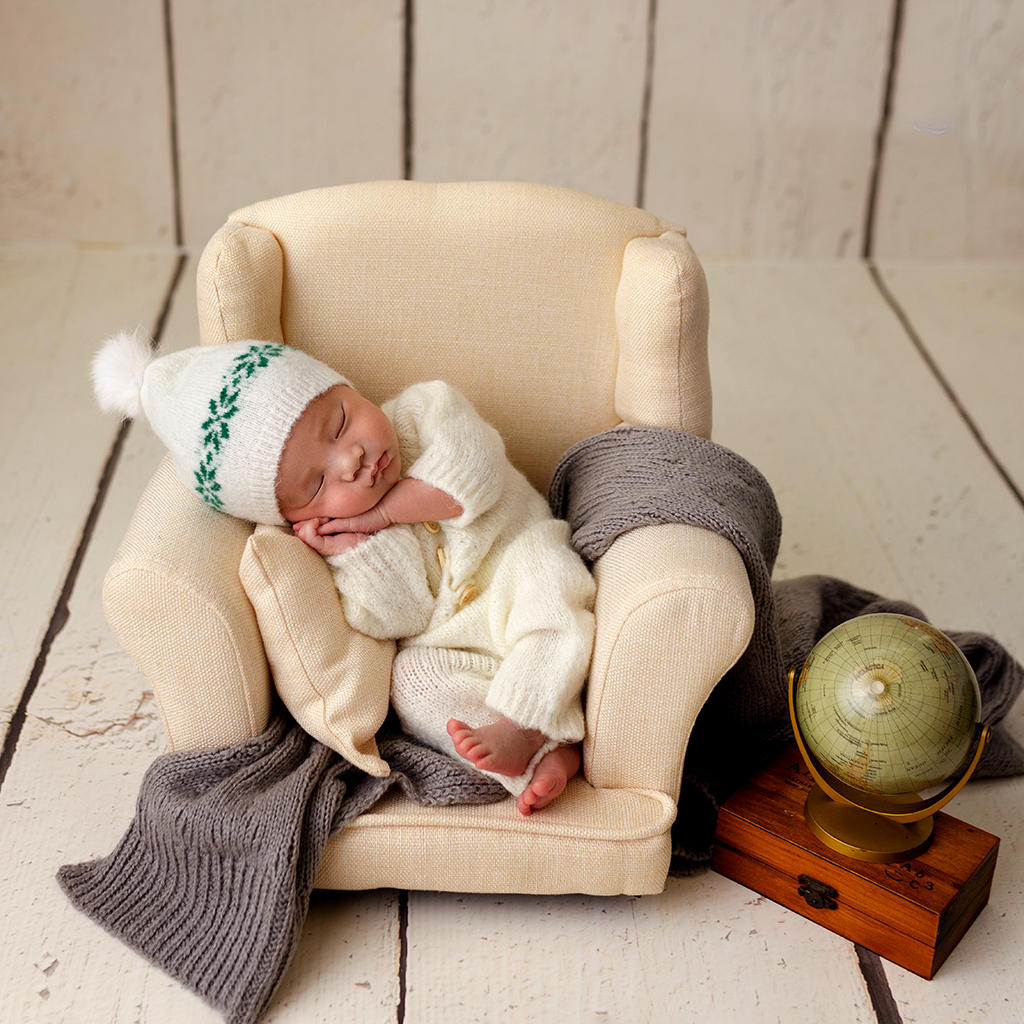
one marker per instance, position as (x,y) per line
(371,521)
(323,535)
(409,501)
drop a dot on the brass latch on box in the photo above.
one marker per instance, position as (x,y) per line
(818,894)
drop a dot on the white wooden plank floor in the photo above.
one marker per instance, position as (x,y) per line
(880,481)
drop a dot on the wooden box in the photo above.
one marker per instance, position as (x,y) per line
(913,914)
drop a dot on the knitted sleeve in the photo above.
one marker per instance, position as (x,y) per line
(445,443)
(383,584)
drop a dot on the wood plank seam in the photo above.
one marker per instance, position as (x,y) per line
(882,1001)
(172,118)
(645,111)
(403,953)
(59,617)
(407,90)
(943,381)
(882,132)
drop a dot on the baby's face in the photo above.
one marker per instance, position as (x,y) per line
(340,459)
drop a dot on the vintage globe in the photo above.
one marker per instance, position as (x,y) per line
(887,704)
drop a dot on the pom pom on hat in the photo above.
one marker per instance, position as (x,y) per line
(118,371)
(224,411)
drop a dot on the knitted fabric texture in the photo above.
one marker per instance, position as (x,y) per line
(630,476)
(432,685)
(212,880)
(223,411)
(501,579)
(627,477)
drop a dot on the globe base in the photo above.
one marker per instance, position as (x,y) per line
(863,834)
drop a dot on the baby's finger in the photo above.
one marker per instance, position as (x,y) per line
(325,526)
(307,531)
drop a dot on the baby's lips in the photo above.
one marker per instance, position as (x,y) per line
(379,466)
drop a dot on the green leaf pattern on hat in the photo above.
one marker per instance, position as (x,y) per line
(216,427)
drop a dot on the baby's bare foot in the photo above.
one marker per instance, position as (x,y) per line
(552,773)
(503,747)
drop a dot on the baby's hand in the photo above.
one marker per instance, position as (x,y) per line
(317,533)
(371,521)
(309,531)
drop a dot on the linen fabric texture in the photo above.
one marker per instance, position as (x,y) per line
(550,310)
(333,680)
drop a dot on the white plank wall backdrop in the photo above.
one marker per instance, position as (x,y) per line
(852,174)
(531,91)
(86,145)
(953,183)
(762,123)
(281,96)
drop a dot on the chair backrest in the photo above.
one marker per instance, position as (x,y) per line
(558,314)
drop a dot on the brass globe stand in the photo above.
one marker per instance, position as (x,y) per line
(881,829)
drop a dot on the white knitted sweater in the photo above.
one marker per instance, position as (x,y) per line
(507,584)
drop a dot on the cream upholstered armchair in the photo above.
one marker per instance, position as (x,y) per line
(559,315)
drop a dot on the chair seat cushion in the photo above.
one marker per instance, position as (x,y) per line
(599,841)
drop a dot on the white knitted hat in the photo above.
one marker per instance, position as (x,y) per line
(224,411)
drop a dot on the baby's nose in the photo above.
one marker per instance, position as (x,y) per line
(350,463)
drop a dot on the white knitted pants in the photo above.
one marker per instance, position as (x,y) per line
(430,685)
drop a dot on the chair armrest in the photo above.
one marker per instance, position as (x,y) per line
(674,612)
(174,600)
(661,316)
(238,286)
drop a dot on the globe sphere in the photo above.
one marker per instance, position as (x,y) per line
(888,704)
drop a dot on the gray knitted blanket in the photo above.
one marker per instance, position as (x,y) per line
(212,880)
(629,477)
